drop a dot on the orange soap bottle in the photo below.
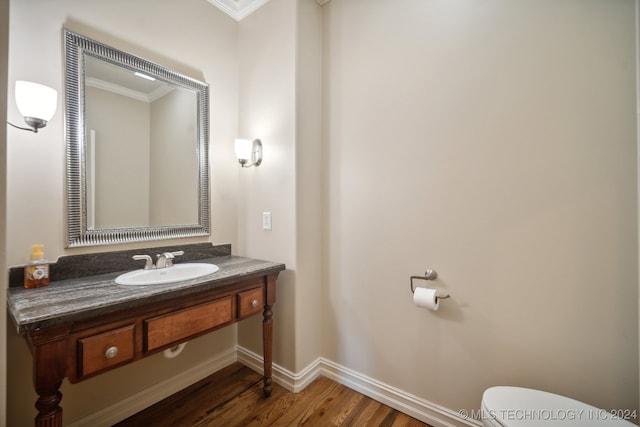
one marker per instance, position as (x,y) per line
(36,272)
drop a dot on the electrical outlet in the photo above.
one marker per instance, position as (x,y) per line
(266,221)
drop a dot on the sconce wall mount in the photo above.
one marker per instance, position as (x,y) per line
(249,153)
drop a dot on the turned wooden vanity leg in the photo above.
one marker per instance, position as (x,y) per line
(49,410)
(267,331)
(49,368)
(48,375)
(267,347)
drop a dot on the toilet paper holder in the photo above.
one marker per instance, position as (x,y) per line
(429,274)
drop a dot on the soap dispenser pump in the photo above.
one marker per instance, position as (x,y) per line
(36,272)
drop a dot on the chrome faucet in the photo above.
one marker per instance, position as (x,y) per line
(166,259)
(148,265)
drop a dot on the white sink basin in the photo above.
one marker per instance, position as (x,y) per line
(175,273)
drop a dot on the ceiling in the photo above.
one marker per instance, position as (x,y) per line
(238,9)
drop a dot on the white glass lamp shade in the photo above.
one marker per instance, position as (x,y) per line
(243,149)
(35,100)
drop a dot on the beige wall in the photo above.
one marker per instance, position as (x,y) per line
(495,142)
(266,46)
(131,27)
(174,173)
(309,236)
(4,56)
(280,99)
(120,177)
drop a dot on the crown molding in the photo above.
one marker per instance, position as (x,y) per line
(238,9)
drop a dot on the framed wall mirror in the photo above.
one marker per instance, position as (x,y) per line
(137,148)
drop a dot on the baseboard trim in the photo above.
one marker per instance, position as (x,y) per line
(421,409)
(139,401)
(281,376)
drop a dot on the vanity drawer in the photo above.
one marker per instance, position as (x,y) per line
(173,327)
(106,349)
(250,302)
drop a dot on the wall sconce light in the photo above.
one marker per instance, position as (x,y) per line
(248,151)
(37,104)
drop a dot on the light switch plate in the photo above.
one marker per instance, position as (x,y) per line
(266,221)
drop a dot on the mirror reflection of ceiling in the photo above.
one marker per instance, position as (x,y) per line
(106,76)
(238,9)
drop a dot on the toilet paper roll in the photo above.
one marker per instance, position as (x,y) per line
(426,298)
(172,352)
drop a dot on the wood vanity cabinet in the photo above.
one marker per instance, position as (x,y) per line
(82,349)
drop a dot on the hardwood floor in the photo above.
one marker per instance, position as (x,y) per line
(233,397)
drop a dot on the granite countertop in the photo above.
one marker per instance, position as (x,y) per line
(75,299)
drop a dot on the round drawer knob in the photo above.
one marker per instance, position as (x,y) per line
(254,303)
(111,352)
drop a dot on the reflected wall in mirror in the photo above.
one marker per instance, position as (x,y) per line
(137,148)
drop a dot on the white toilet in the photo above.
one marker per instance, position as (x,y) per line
(504,406)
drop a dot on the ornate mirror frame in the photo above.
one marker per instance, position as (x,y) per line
(76,47)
